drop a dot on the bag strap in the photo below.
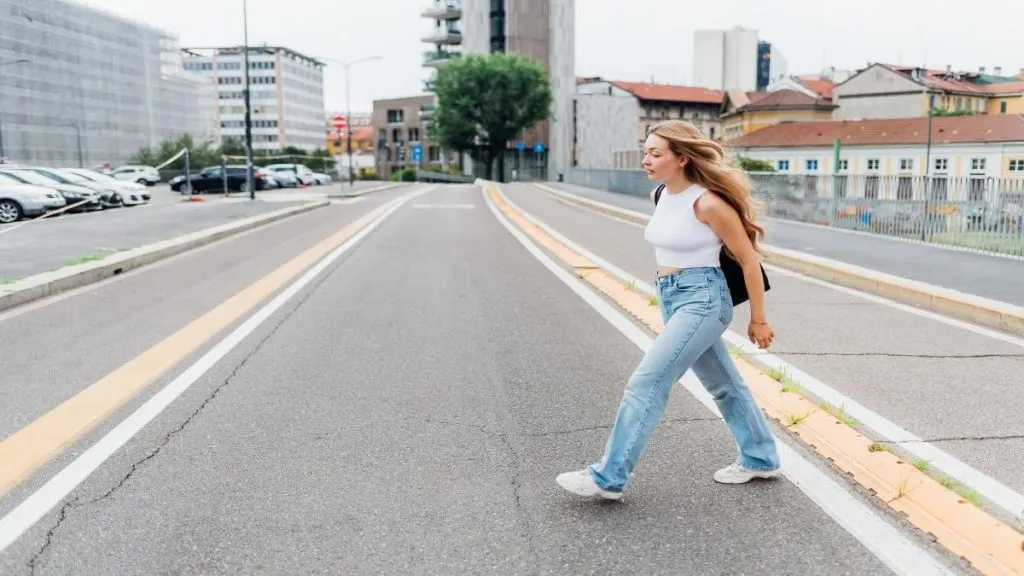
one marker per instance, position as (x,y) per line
(657,193)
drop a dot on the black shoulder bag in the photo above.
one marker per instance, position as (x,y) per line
(730,268)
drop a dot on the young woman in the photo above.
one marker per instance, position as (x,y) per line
(705,203)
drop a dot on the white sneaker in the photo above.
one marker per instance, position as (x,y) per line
(582,483)
(737,474)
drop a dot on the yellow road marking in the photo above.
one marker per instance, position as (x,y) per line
(23,452)
(991,546)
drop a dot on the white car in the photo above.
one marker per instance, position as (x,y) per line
(321,178)
(302,172)
(18,201)
(132,193)
(145,175)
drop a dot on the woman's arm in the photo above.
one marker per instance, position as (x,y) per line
(723,219)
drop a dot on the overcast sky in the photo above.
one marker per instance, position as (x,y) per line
(649,39)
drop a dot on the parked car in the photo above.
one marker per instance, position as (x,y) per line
(132,193)
(145,175)
(302,172)
(211,179)
(86,200)
(321,179)
(109,195)
(18,200)
(284,179)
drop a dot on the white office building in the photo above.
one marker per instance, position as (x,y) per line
(286,94)
(726,59)
(83,86)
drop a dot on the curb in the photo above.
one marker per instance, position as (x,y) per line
(968,307)
(75,276)
(356,193)
(969,532)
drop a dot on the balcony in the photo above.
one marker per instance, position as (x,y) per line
(444,10)
(426,112)
(428,84)
(444,35)
(432,58)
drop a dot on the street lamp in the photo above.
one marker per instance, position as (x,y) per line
(8,63)
(248,111)
(348,106)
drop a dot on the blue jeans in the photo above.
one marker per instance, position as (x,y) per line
(696,308)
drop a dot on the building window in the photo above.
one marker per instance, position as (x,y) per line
(941,164)
(811,165)
(414,134)
(1002,107)
(977,163)
(1016,165)
(396,116)
(906,164)
(873,163)
(783,165)
(844,164)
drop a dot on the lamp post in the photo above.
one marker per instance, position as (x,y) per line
(248,111)
(78,132)
(348,106)
(8,63)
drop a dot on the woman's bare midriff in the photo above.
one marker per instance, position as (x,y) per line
(666,270)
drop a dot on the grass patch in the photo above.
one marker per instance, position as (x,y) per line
(962,490)
(793,419)
(922,465)
(777,374)
(876,447)
(839,413)
(631,286)
(652,300)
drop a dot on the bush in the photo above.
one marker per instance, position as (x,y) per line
(409,175)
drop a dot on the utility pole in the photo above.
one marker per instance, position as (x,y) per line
(248,108)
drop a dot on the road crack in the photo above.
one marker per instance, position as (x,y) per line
(77,503)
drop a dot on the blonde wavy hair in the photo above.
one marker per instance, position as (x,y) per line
(709,166)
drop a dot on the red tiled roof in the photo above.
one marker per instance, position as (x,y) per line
(940,79)
(671,93)
(818,85)
(889,132)
(787,99)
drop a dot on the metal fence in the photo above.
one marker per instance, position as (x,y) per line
(972,212)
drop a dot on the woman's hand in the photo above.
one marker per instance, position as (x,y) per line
(760,333)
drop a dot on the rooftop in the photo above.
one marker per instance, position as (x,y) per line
(786,99)
(887,132)
(208,51)
(662,92)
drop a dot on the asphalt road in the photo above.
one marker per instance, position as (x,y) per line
(988,276)
(956,388)
(406,412)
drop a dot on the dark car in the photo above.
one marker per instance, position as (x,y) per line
(211,179)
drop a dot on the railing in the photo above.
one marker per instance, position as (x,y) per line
(975,213)
(439,56)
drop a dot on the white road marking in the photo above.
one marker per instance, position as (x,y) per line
(1001,495)
(462,206)
(26,514)
(886,542)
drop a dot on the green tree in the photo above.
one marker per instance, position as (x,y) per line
(486,100)
(754,165)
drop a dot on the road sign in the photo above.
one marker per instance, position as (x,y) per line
(417,153)
(538,148)
(339,122)
(520,145)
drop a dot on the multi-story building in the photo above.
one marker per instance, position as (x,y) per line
(726,59)
(763,110)
(771,65)
(286,95)
(545,31)
(445,34)
(887,91)
(399,124)
(967,159)
(83,86)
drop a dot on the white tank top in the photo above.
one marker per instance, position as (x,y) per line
(680,240)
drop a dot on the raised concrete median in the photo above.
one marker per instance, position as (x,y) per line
(38,286)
